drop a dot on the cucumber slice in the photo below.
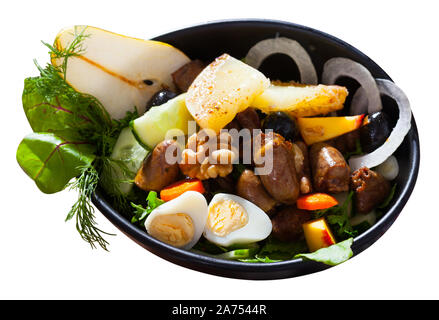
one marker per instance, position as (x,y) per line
(151,128)
(128,155)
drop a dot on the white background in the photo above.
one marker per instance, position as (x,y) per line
(43,257)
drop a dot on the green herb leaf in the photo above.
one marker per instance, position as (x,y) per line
(203,245)
(332,255)
(358,150)
(153,200)
(338,218)
(259,259)
(238,169)
(361,227)
(237,254)
(52,161)
(140,213)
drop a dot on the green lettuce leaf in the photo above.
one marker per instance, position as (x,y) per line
(236,254)
(53,106)
(204,245)
(275,250)
(332,255)
(52,161)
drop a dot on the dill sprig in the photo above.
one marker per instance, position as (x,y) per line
(75,48)
(99,173)
(83,209)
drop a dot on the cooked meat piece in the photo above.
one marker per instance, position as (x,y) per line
(287,223)
(250,187)
(226,184)
(184,76)
(234,124)
(155,172)
(329,168)
(370,187)
(347,142)
(219,184)
(222,184)
(350,140)
(301,161)
(277,154)
(249,119)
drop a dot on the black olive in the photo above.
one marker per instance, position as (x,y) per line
(282,124)
(160,98)
(261,115)
(376,132)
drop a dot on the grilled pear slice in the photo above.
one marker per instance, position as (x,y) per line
(121,72)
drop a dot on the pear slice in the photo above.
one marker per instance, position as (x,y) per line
(121,72)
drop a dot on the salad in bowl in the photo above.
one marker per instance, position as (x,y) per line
(214,157)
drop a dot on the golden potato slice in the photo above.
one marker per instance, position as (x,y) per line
(224,88)
(301,100)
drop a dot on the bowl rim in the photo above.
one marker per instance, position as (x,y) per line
(275,270)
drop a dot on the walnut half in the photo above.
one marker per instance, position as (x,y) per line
(208,155)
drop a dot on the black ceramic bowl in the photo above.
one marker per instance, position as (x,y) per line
(210,40)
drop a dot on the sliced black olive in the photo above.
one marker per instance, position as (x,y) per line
(160,98)
(282,124)
(376,132)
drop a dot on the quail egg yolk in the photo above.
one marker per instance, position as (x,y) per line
(226,216)
(175,229)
